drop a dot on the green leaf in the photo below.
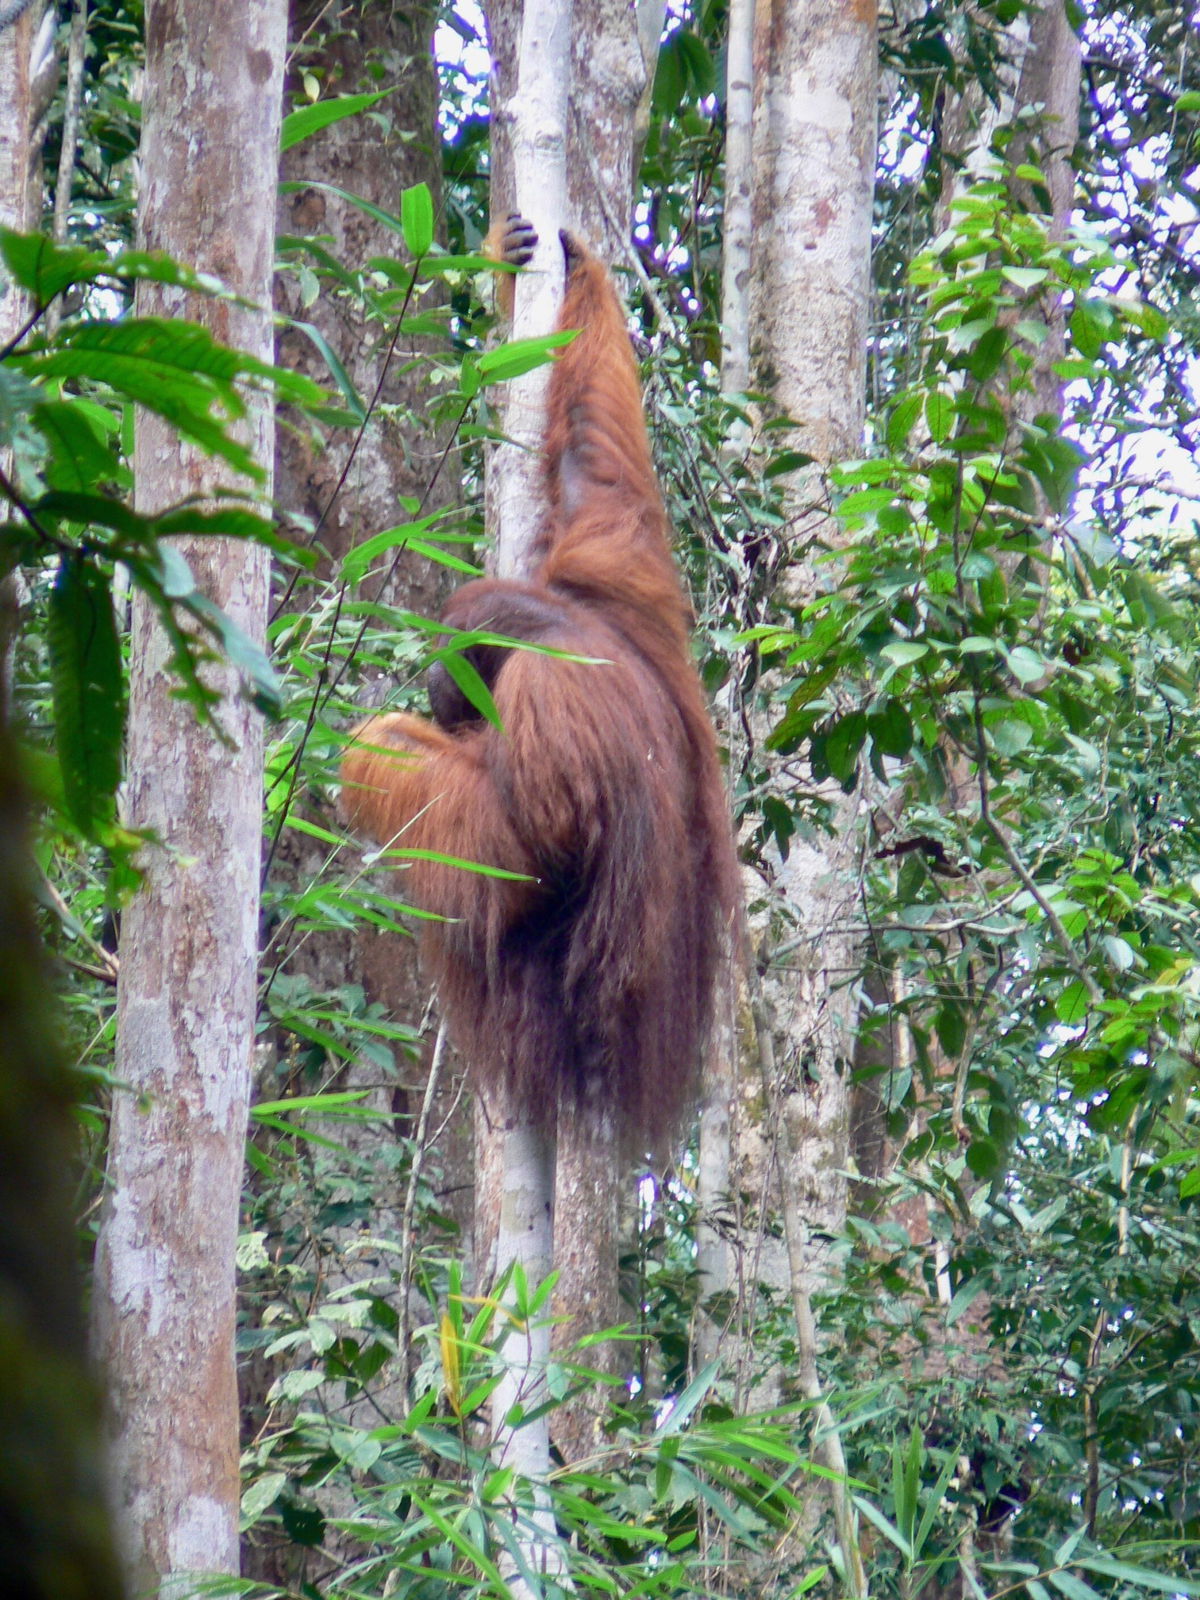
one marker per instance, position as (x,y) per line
(873,1514)
(173,368)
(80,456)
(88,691)
(518,356)
(1073,1587)
(248,657)
(903,652)
(842,745)
(986,359)
(377,214)
(46,269)
(1124,1571)
(416,217)
(1025,664)
(891,729)
(1071,1006)
(472,685)
(263,1492)
(902,421)
(939,415)
(964,1297)
(354,402)
(1091,326)
(1025,277)
(680,1413)
(302,124)
(358,561)
(983,1157)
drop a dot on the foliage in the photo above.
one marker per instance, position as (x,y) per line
(1004,655)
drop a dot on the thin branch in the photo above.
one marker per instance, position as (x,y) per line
(410,1201)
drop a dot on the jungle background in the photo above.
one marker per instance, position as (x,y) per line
(914,295)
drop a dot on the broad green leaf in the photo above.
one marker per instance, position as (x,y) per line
(1140,1577)
(88,691)
(902,421)
(903,652)
(244,654)
(359,561)
(80,455)
(45,268)
(416,216)
(986,359)
(1025,664)
(1025,277)
(1071,1006)
(302,124)
(939,415)
(263,1492)
(519,356)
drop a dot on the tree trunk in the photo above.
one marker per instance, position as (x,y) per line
(816,76)
(164,1297)
(533,115)
(613,51)
(815,98)
(20,202)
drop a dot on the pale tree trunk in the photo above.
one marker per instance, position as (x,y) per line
(815,94)
(613,51)
(164,1297)
(20,196)
(737,233)
(816,78)
(715,1202)
(532,110)
(20,202)
(1051,71)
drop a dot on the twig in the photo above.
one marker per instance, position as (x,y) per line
(410,1199)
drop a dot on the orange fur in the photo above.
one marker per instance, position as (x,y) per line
(593,973)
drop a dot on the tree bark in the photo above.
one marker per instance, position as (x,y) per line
(612,54)
(815,76)
(20,202)
(533,116)
(815,102)
(164,1300)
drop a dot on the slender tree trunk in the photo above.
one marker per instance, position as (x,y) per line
(19,196)
(716,1209)
(533,117)
(186,1003)
(20,202)
(613,50)
(737,235)
(816,77)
